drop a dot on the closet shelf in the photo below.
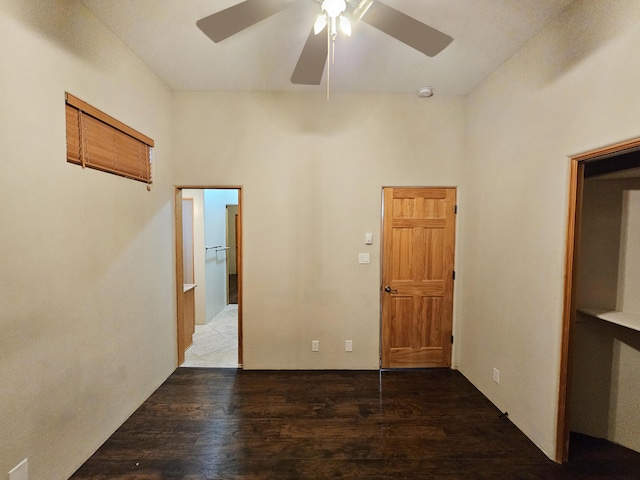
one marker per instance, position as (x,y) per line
(625,319)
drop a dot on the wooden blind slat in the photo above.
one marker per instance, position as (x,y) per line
(100,143)
(96,144)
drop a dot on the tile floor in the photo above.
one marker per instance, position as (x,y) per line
(216,343)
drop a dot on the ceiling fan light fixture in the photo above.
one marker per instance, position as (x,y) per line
(321,22)
(345,25)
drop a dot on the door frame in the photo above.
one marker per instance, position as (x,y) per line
(574,223)
(382,260)
(179,263)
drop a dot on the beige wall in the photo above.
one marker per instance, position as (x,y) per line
(312,173)
(87,258)
(602,269)
(597,280)
(605,395)
(571,89)
(629,274)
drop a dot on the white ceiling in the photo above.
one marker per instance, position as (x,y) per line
(164,35)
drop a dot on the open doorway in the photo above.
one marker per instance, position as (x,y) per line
(209,267)
(600,354)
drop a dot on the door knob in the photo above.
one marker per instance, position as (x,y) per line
(388,289)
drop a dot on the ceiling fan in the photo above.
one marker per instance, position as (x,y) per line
(311,64)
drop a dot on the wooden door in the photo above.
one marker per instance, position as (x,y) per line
(417,276)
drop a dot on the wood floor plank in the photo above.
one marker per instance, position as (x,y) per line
(225,423)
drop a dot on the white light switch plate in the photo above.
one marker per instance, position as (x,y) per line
(363,258)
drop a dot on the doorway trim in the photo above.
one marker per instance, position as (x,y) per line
(576,184)
(179,276)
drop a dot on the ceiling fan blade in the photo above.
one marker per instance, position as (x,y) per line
(313,58)
(407,29)
(234,19)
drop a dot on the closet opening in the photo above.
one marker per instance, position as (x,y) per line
(600,354)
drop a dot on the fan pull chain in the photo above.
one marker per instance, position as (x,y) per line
(333,51)
(331,59)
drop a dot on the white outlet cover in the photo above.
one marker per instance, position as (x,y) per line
(363,258)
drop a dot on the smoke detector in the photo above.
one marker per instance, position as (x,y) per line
(425,92)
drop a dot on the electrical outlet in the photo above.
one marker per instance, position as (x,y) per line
(496,375)
(20,471)
(315,346)
(348,345)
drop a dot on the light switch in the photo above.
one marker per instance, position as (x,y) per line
(368,239)
(363,258)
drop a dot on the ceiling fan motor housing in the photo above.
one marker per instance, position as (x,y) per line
(334,8)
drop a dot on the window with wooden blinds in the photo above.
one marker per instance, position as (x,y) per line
(96,140)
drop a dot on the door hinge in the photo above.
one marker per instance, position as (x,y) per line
(451,338)
(455,210)
(454,275)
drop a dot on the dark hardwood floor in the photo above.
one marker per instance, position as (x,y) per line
(433,424)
